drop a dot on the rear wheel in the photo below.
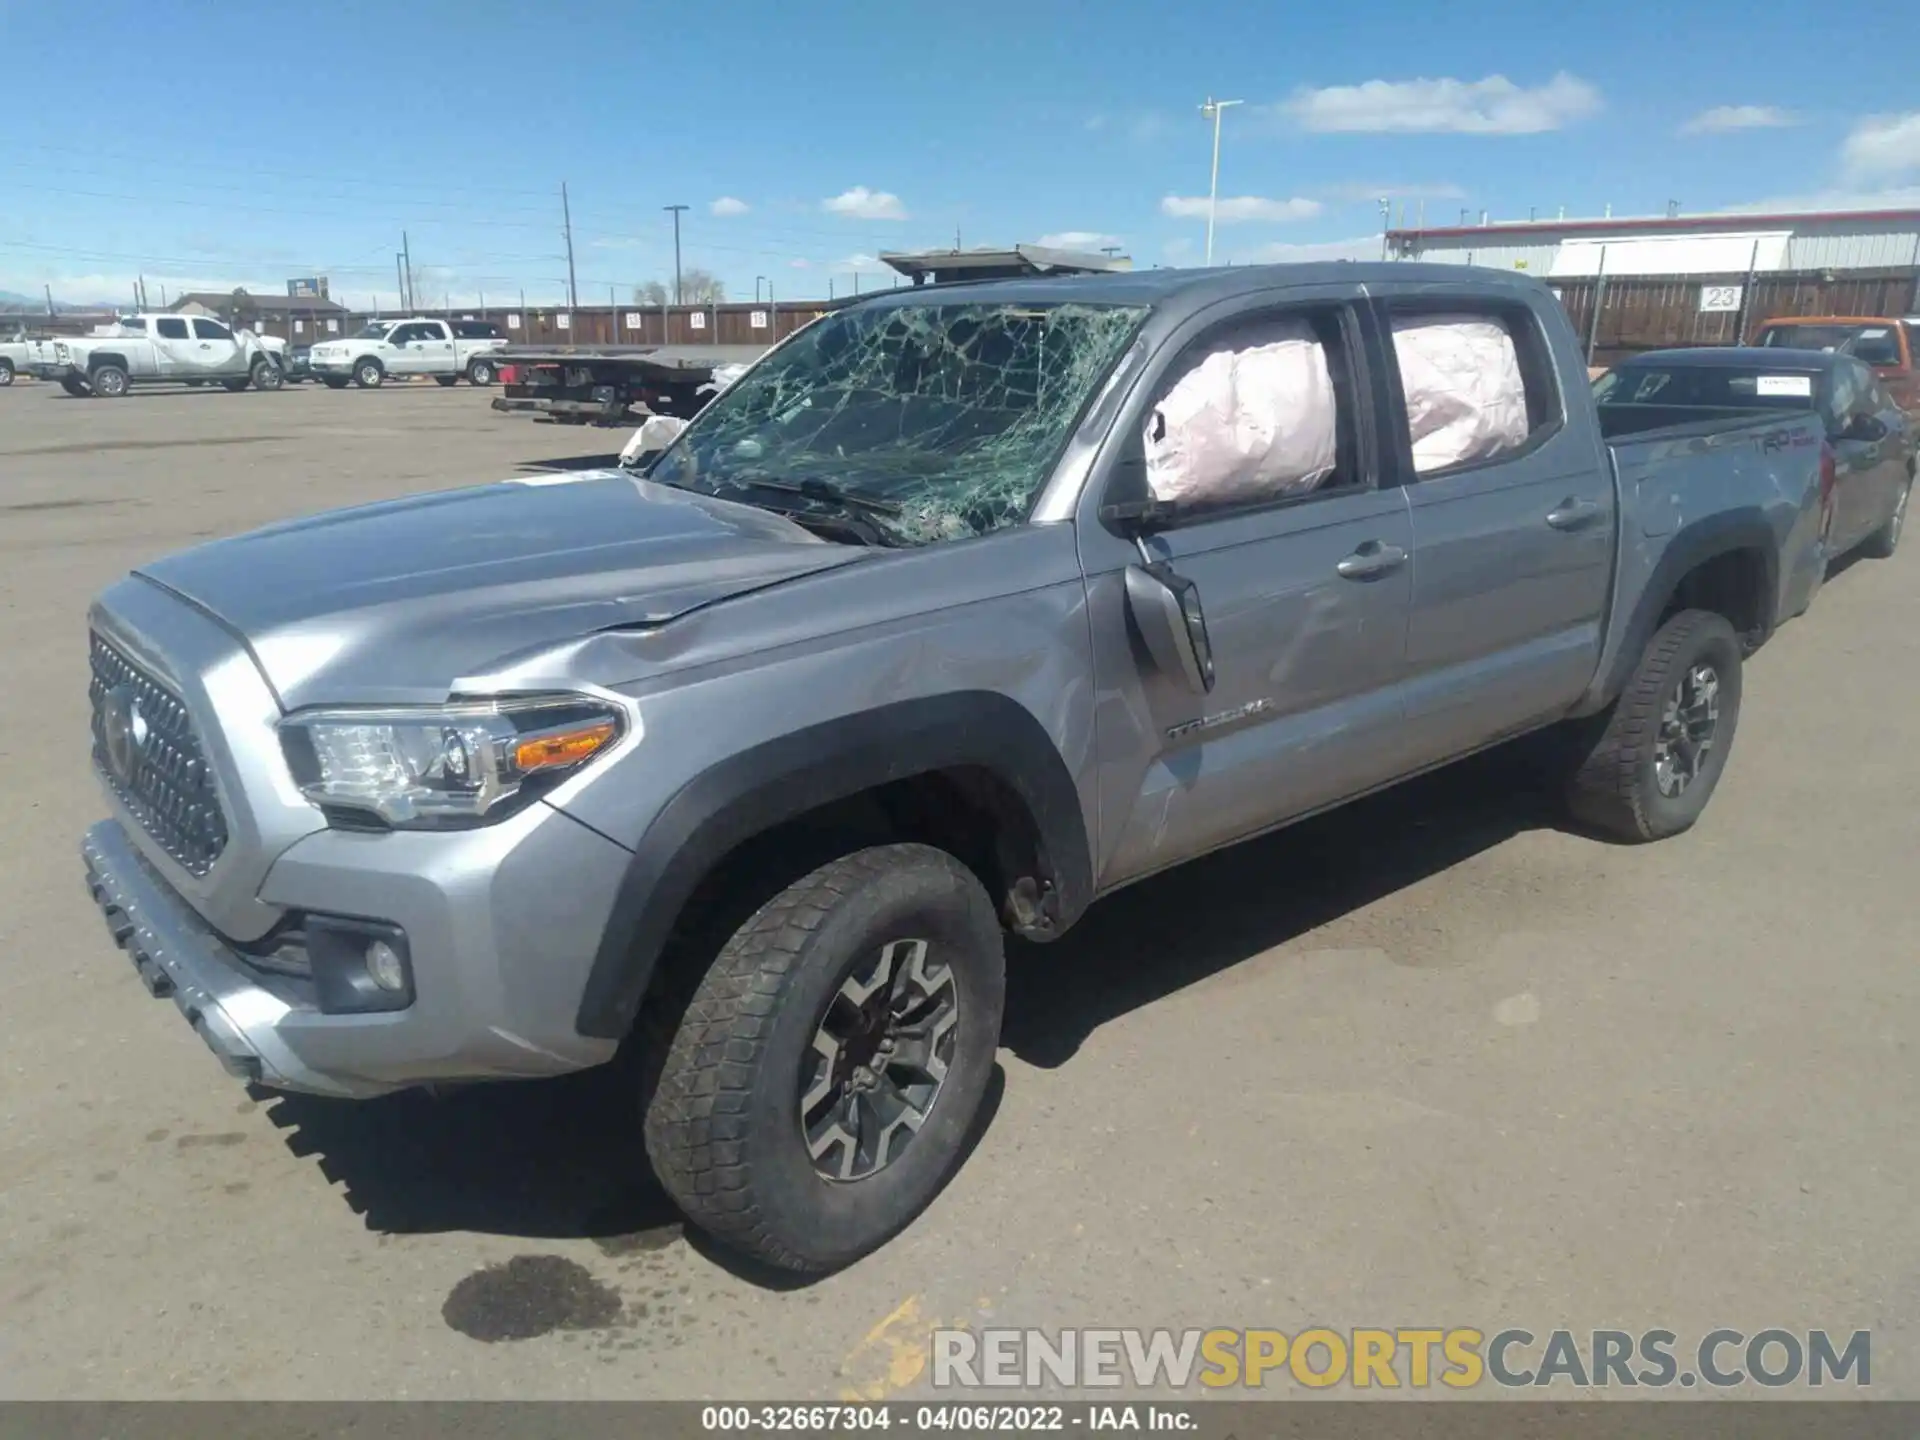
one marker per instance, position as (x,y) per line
(445,381)
(108,381)
(1883,542)
(75,387)
(236,384)
(1664,744)
(480,372)
(334,382)
(369,374)
(6,371)
(821,1084)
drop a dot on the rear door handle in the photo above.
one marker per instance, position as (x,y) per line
(1371,559)
(1571,514)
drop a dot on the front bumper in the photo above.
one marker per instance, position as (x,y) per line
(502,924)
(330,364)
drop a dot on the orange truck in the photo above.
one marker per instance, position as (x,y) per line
(1889,345)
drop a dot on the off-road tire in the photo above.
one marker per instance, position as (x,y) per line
(266,374)
(369,374)
(1614,789)
(6,373)
(109,382)
(480,372)
(1883,542)
(722,1122)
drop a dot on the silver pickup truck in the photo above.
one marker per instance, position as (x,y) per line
(964,607)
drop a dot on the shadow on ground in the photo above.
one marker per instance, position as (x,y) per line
(562,1159)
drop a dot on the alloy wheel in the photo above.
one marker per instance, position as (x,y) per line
(879,1058)
(1687,723)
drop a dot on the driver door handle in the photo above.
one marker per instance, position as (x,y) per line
(1371,559)
(1572,513)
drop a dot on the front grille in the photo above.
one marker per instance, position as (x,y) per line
(145,746)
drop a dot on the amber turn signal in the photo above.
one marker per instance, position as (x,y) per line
(559,748)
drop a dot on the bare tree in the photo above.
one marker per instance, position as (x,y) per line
(651,293)
(701,287)
(241,311)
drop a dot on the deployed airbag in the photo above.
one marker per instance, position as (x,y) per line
(1246,424)
(1465,397)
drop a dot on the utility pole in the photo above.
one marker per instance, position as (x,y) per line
(49,299)
(678,298)
(406,248)
(566,216)
(1214,107)
(400,283)
(1386,224)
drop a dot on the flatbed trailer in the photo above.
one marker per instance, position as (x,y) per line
(612,384)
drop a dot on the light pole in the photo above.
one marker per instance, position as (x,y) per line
(758,281)
(676,209)
(1213,107)
(1386,219)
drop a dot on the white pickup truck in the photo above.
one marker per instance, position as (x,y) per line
(446,351)
(150,349)
(16,351)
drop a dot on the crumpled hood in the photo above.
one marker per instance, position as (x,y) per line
(397,601)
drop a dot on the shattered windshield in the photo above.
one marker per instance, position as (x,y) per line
(932,421)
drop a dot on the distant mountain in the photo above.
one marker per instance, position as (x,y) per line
(11,300)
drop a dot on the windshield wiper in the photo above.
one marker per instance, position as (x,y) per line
(814,488)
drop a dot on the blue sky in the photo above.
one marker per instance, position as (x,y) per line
(245,144)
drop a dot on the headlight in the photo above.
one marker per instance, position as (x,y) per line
(445,766)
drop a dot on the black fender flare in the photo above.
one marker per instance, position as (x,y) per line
(1692,546)
(751,792)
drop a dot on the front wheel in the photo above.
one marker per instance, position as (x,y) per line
(369,374)
(6,372)
(1664,744)
(266,375)
(480,372)
(822,1082)
(1883,542)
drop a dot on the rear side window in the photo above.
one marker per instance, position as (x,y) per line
(171,328)
(211,330)
(1477,383)
(476,330)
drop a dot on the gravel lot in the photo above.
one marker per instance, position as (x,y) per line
(1429,1061)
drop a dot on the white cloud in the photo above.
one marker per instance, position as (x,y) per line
(1882,147)
(1078,240)
(1898,197)
(1240,207)
(857,261)
(726,205)
(801,264)
(860,203)
(1722,118)
(1493,106)
(1279,252)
